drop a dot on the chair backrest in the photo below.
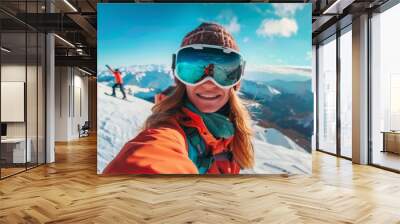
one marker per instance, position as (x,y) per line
(86,125)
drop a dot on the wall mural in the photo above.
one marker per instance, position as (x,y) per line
(204,88)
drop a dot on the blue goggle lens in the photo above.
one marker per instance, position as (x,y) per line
(193,65)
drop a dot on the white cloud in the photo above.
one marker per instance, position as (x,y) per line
(287,9)
(283,69)
(233,26)
(227,19)
(258,10)
(284,27)
(246,39)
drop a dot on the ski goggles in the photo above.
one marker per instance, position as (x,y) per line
(198,63)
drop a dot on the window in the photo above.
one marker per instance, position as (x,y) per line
(22,75)
(327,96)
(346,93)
(385,89)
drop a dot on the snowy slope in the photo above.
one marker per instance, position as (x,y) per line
(276,154)
(120,121)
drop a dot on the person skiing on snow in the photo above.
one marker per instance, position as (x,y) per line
(118,82)
(201,126)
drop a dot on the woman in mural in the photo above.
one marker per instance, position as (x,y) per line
(202,126)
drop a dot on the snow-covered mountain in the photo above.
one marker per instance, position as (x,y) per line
(143,81)
(258,90)
(301,88)
(264,76)
(120,121)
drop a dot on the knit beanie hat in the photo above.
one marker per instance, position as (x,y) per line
(211,34)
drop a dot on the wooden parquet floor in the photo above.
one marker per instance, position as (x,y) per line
(70,191)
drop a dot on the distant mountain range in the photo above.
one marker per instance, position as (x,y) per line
(284,102)
(283,105)
(267,76)
(144,81)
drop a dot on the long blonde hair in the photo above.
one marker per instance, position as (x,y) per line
(241,145)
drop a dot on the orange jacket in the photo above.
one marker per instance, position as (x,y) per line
(118,77)
(163,150)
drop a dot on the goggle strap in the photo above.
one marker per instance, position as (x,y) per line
(208,79)
(173,62)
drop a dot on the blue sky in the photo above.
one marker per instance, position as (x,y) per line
(270,36)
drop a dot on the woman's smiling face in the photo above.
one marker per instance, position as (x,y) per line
(207,97)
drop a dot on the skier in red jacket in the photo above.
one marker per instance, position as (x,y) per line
(118,82)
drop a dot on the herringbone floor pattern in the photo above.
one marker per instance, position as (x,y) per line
(69,191)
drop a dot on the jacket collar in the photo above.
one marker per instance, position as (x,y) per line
(190,119)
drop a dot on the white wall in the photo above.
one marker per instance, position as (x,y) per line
(62,81)
(79,112)
(71,94)
(13,101)
(12,73)
(16,73)
(33,127)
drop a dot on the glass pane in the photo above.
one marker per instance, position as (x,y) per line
(23,82)
(346,94)
(13,86)
(327,96)
(31,86)
(41,98)
(31,100)
(385,89)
